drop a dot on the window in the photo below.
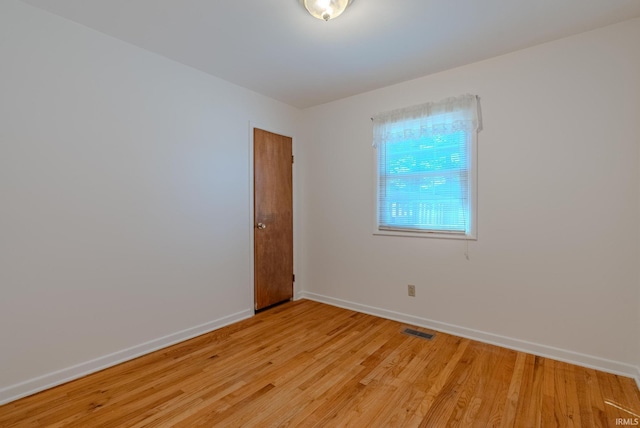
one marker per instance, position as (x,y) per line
(426,169)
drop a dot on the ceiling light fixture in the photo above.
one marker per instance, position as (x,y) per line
(326,9)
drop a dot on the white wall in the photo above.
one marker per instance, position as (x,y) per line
(555,268)
(124,189)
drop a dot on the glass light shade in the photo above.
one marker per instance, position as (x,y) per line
(326,9)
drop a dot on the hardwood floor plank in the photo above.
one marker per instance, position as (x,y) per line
(468,403)
(530,400)
(421,414)
(599,415)
(503,378)
(306,364)
(487,390)
(573,403)
(547,409)
(513,396)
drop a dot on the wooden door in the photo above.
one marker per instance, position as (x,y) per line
(273,218)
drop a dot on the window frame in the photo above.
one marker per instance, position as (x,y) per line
(472,235)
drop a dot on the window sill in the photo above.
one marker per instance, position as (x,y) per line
(436,235)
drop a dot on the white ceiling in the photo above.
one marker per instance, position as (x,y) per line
(275,48)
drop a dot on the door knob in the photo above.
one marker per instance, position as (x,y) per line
(261,226)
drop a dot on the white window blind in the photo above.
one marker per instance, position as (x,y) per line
(426,167)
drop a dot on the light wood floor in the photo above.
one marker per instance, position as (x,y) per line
(308,364)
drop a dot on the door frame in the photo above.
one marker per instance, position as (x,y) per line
(251,285)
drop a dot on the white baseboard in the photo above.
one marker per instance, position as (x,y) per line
(551,352)
(59,377)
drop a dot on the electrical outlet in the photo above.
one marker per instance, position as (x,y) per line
(412,290)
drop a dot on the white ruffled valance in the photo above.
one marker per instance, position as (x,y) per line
(443,117)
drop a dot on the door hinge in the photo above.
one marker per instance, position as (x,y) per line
(292,159)
(294,277)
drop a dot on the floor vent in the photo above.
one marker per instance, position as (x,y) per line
(416,333)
